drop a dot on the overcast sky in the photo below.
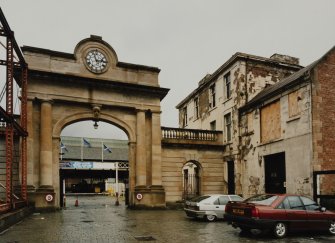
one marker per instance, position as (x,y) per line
(186,39)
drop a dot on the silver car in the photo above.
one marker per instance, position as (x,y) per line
(209,207)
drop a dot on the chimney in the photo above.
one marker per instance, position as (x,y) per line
(285,59)
(204,79)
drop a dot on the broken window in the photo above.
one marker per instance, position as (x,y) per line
(213,125)
(212,96)
(270,122)
(293,104)
(227,120)
(196,108)
(227,85)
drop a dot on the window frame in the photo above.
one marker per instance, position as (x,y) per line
(212,98)
(185,116)
(227,85)
(228,127)
(213,124)
(196,108)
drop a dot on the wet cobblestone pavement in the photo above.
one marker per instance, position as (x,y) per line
(97,220)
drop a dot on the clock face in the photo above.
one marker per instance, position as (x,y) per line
(96,61)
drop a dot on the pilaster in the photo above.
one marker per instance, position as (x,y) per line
(46,146)
(140,149)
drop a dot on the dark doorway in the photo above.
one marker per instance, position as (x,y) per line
(275,173)
(231,177)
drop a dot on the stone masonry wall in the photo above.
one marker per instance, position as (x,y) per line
(212,170)
(324,120)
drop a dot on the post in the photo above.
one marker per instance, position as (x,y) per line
(61,153)
(81,149)
(64,195)
(117,183)
(102,151)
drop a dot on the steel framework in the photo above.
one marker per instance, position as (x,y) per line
(12,128)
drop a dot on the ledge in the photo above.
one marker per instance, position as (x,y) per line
(293,118)
(272,141)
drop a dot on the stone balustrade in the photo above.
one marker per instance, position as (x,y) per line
(180,135)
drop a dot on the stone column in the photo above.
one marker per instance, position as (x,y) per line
(46,145)
(140,149)
(156,153)
(30,146)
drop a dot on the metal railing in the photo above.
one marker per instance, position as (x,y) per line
(191,186)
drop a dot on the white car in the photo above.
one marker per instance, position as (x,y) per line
(209,207)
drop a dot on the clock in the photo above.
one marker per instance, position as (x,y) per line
(96,61)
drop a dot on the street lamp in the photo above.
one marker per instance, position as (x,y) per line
(95,125)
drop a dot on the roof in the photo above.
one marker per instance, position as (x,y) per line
(285,84)
(74,147)
(238,55)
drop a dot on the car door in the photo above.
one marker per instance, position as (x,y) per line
(316,219)
(296,213)
(223,200)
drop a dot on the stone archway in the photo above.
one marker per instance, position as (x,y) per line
(91,84)
(191,172)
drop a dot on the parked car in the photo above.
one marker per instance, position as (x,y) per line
(210,207)
(279,213)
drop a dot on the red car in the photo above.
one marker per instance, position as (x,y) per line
(279,213)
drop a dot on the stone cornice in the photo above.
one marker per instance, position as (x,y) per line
(138,88)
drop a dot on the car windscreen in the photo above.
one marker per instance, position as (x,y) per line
(199,199)
(264,199)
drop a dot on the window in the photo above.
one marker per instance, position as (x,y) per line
(236,198)
(284,204)
(196,108)
(270,122)
(212,96)
(295,203)
(227,120)
(250,118)
(213,125)
(227,83)
(184,116)
(223,200)
(263,199)
(293,104)
(310,205)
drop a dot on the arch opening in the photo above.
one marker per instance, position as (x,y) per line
(93,160)
(191,172)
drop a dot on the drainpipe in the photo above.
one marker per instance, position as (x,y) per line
(246,80)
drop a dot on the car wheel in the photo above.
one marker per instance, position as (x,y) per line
(245,230)
(332,228)
(210,218)
(280,230)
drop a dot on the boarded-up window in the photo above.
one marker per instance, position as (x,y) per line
(250,118)
(293,104)
(270,122)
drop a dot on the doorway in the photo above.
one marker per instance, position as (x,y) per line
(275,173)
(191,180)
(231,177)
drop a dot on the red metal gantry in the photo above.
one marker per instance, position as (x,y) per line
(8,118)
